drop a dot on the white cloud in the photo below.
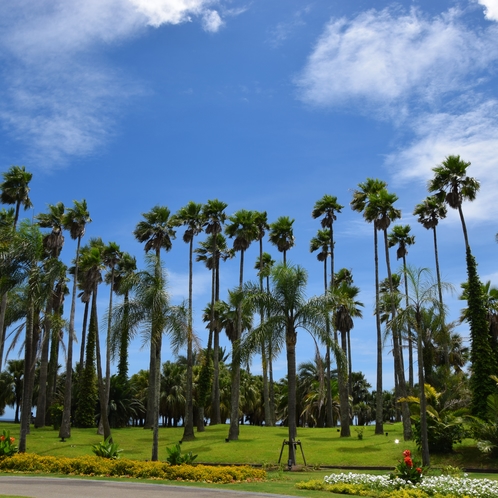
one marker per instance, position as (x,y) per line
(385,57)
(490,9)
(472,134)
(57,93)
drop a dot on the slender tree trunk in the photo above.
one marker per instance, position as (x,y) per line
(3,310)
(423,403)
(157,392)
(188,432)
(342,379)
(83,335)
(41,405)
(379,404)
(108,343)
(65,429)
(233,434)
(291,339)
(438,274)
(215,398)
(464,227)
(410,335)
(407,428)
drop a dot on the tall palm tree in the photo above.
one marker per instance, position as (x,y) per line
(400,236)
(421,294)
(214,216)
(345,307)
(11,385)
(382,212)
(281,235)
(156,231)
(429,212)
(286,311)
(52,242)
(191,217)
(359,203)
(322,241)
(75,220)
(13,190)
(452,185)
(243,229)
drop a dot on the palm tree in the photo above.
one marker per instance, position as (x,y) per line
(400,236)
(13,190)
(359,203)
(191,217)
(287,310)
(52,243)
(345,307)
(75,220)
(11,384)
(156,231)
(429,212)
(243,230)
(452,185)
(214,216)
(381,211)
(322,241)
(281,235)
(421,294)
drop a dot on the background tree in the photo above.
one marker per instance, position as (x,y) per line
(281,235)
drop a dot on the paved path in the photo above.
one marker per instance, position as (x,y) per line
(49,487)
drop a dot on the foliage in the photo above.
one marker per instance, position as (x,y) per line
(175,456)
(106,449)
(486,431)
(7,446)
(408,469)
(94,466)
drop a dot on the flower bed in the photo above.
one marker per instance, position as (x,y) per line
(95,466)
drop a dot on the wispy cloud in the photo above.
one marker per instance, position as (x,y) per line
(387,57)
(285,29)
(58,94)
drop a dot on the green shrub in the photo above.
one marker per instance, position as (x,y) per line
(175,456)
(7,446)
(106,449)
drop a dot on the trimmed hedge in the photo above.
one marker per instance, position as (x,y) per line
(95,466)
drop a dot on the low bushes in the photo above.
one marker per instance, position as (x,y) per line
(95,466)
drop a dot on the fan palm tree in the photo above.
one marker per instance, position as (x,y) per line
(214,216)
(345,307)
(429,212)
(287,310)
(400,236)
(281,235)
(359,203)
(11,384)
(243,229)
(13,190)
(156,232)
(75,220)
(382,212)
(452,185)
(191,217)
(53,243)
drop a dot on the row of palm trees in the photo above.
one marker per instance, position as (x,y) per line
(282,306)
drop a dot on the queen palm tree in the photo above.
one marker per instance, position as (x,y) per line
(382,212)
(359,203)
(281,235)
(191,217)
(156,231)
(214,216)
(13,190)
(287,310)
(243,229)
(429,212)
(400,236)
(75,220)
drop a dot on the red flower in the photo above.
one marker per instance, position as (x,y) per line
(407,453)
(2,438)
(419,470)
(408,461)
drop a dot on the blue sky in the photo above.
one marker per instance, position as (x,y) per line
(266,105)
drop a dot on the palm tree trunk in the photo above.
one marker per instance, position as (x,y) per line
(65,429)
(83,335)
(342,379)
(215,398)
(464,227)
(410,336)
(108,343)
(423,405)
(407,428)
(41,405)
(379,416)
(291,338)
(438,273)
(233,433)
(3,310)
(156,339)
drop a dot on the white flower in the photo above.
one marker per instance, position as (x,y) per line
(396,441)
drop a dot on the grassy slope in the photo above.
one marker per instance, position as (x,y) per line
(256,445)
